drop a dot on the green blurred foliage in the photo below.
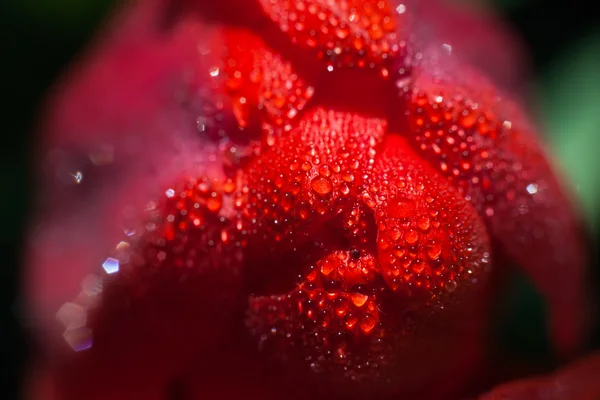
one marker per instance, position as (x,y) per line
(570,98)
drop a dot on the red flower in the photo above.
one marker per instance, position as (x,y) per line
(338,190)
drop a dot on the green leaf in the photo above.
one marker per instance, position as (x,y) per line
(571,111)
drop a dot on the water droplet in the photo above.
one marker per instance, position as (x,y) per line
(77,177)
(383,244)
(342,32)
(351,321)
(321,185)
(411,236)
(214,202)
(532,188)
(341,308)
(348,177)
(367,323)
(418,267)
(229,186)
(447,48)
(303,210)
(327,266)
(423,222)
(344,189)
(434,249)
(343,152)
(359,299)
(325,171)
(322,207)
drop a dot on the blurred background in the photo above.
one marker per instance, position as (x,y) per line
(40,37)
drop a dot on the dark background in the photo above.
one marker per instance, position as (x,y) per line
(38,38)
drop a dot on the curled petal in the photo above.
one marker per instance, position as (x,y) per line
(295,241)
(429,238)
(481,142)
(576,381)
(358,33)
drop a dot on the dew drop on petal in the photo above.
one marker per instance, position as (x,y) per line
(321,185)
(359,299)
(418,267)
(367,323)
(423,222)
(434,249)
(411,237)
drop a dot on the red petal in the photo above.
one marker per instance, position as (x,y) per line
(429,240)
(317,169)
(355,33)
(576,381)
(482,143)
(261,83)
(354,253)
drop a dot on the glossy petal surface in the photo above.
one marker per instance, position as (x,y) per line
(480,141)
(309,200)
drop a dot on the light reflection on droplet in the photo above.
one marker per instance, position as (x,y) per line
(201,124)
(111,265)
(72,315)
(532,188)
(122,246)
(79,339)
(77,177)
(129,232)
(170,193)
